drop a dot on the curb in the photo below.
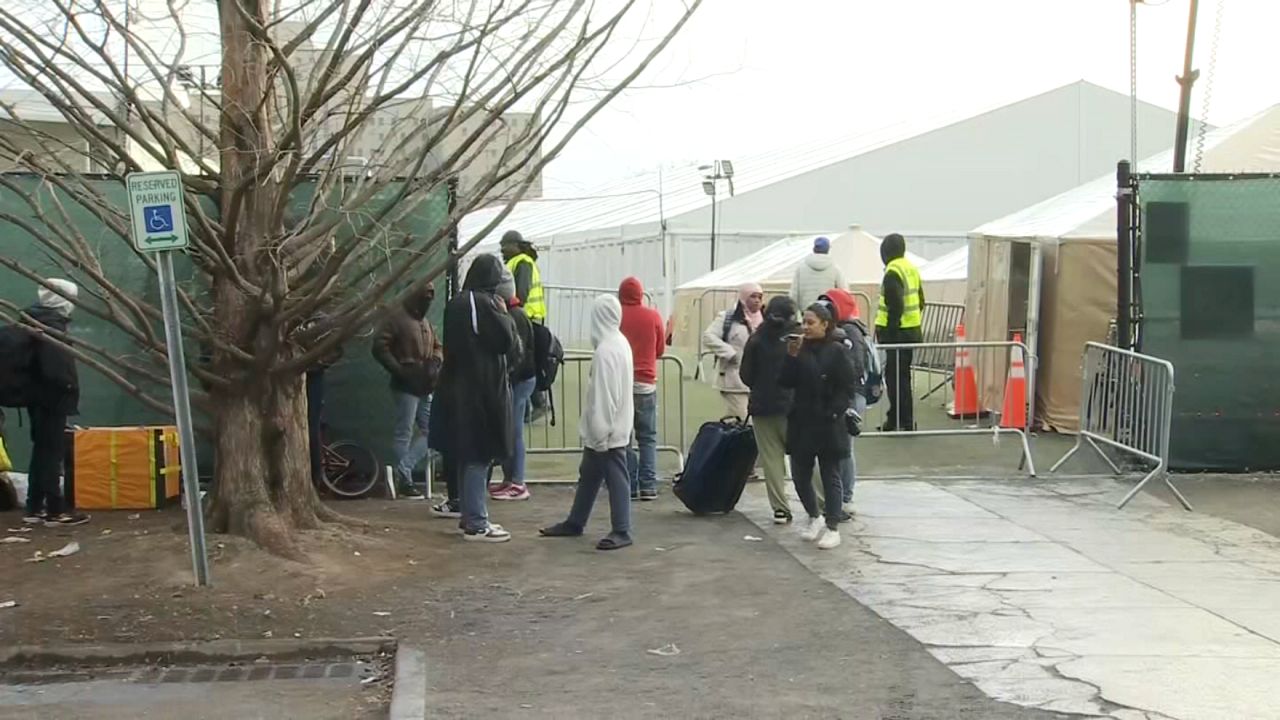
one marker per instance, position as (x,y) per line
(409,692)
(29,656)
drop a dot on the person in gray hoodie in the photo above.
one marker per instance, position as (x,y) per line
(816,275)
(608,416)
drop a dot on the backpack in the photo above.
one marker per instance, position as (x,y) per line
(873,368)
(548,357)
(17,367)
(873,378)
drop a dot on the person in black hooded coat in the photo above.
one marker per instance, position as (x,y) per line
(474,395)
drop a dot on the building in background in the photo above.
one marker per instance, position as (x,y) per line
(931,179)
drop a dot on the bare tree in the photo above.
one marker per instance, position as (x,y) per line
(289,223)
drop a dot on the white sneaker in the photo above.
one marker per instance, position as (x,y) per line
(491,534)
(848,508)
(809,531)
(830,539)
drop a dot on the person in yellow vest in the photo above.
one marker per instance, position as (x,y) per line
(522,260)
(899,321)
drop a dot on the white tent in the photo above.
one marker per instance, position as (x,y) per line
(1075,234)
(947,277)
(856,252)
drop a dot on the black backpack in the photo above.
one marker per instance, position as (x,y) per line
(548,356)
(17,367)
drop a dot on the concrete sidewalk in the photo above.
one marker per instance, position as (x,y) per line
(700,619)
(1044,594)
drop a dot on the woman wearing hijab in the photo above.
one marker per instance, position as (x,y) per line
(605,430)
(474,393)
(770,402)
(818,371)
(726,336)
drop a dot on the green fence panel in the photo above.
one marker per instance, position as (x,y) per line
(358,406)
(1210,289)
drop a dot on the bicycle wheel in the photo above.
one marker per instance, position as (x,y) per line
(350,471)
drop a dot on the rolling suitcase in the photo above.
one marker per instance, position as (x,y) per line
(719,463)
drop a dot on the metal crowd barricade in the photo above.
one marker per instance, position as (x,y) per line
(569,311)
(1126,403)
(940,321)
(974,409)
(570,392)
(726,297)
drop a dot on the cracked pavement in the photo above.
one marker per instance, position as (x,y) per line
(1042,593)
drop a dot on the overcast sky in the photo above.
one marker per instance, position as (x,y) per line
(764,75)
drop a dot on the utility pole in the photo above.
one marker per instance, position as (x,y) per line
(1188,78)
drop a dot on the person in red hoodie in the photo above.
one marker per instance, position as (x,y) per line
(642,327)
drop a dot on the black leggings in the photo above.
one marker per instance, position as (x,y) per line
(802,476)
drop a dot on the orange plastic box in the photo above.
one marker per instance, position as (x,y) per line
(123,468)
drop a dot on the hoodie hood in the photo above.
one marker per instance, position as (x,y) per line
(507,285)
(419,302)
(485,274)
(846,307)
(819,262)
(631,292)
(61,302)
(606,318)
(892,247)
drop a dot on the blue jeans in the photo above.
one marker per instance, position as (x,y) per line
(642,465)
(475,497)
(521,393)
(849,466)
(410,448)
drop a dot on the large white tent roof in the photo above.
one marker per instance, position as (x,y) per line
(952,266)
(855,251)
(1088,212)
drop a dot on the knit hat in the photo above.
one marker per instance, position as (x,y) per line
(61,301)
(822,245)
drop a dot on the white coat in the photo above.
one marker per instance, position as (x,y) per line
(609,412)
(815,276)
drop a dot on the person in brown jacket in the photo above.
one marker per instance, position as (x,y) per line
(408,347)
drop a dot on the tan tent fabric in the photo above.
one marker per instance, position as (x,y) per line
(1077,233)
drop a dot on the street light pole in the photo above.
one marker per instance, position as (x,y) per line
(720,170)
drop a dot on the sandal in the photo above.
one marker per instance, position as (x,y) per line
(614,541)
(563,529)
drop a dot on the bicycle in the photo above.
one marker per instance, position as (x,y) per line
(350,471)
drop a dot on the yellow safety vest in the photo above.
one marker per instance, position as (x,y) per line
(911,315)
(534,306)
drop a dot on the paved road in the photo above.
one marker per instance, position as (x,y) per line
(542,628)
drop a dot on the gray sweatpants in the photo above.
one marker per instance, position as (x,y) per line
(597,468)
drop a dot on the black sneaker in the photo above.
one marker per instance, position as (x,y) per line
(71,517)
(781,517)
(648,495)
(35,518)
(446,509)
(846,517)
(410,492)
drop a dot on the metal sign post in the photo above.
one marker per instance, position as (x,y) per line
(159,223)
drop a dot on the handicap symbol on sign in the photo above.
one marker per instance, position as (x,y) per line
(159,218)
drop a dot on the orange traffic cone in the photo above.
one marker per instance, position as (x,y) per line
(1014,412)
(966,382)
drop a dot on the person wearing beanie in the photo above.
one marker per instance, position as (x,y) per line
(899,321)
(522,374)
(521,258)
(770,402)
(605,430)
(815,274)
(56,397)
(642,327)
(852,334)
